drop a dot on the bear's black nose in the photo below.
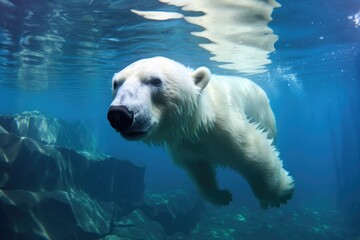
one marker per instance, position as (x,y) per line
(120,117)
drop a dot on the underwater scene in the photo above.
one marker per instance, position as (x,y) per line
(151,119)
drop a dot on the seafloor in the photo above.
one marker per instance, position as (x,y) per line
(303,222)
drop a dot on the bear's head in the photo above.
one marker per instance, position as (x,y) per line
(156,99)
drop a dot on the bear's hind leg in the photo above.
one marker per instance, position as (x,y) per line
(204,176)
(260,164)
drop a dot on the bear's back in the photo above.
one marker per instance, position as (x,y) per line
(247,98)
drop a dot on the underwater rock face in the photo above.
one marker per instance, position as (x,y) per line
(136,226)
(49,130)
(176,211)
(48,191)
(53,215)
(29,165)
(109,179)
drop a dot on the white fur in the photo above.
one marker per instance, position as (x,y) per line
(207,121)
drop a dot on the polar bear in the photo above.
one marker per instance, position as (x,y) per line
(205,121)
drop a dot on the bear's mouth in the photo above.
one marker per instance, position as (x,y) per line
(132,136)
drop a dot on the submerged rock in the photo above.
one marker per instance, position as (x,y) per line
(53,215)
(137,226)
(51,191)
(29,165)
(54,192)
(49,130)
(176,211)
(108,179)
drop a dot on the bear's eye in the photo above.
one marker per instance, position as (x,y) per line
(155,81)
(118,83)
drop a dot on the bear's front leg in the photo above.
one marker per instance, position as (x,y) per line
(204,176)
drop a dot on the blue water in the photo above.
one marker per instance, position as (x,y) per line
(59,58)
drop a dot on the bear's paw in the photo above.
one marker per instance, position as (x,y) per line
(282,194)
(220,197)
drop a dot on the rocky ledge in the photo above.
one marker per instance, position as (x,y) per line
(54,185)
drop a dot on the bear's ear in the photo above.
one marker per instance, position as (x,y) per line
(201,77)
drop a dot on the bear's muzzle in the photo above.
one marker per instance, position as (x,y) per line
(120,118)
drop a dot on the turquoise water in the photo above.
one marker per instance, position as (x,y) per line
(58,57)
